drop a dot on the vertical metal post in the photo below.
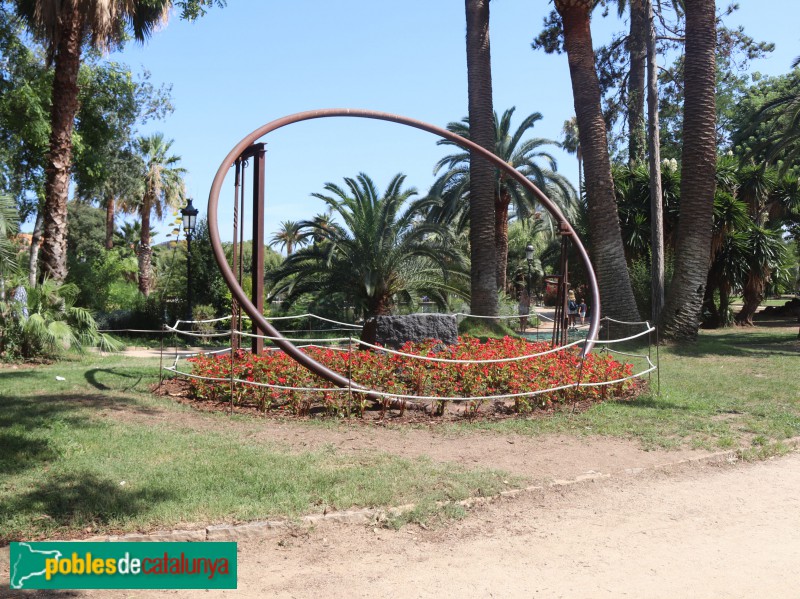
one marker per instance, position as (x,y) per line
(161,359)
(233,355)
(241,232)
(258,241)
(235,256)
(565,282)
(189,276)
(658,366)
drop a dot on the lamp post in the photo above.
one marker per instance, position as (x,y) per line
(189,216)
(529,258)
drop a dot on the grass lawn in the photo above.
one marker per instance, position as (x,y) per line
(72,460)
(732,388)
(66,467)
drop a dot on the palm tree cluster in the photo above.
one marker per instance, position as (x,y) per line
(375,251)
(380,253)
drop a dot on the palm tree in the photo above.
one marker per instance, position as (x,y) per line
(483,263)
(322,222)
(163,189)
(128,237)
(9,227)
(289,236)
(453,187)
(121,190)
(763,254)
(381,251)
(572,145)
(55,324)
(63,26)
(605,238)
(680,317)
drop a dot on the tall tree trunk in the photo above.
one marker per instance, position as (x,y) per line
(709,306)
(580,173)
(501,238)
(110,212)
(145,253)
(483,269)
(753,295)
(604,231)
(36,238)
(638,52)
(654,153)
(59,160)
(680,318)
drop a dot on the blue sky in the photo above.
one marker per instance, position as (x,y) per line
(257,60)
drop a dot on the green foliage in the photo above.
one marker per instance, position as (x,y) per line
(632,190)
(9,227)
(484,328)
(768,122)
(25,87)
(641,280)
(53,326)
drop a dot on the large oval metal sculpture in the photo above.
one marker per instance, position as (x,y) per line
(264,324)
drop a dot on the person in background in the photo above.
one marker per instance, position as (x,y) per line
(582,310)
(572,310)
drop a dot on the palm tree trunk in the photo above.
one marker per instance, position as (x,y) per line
(501,238)
(654,152)
(637,50)
(680,318)
(145,253)
(59,160)
(709,305)
(483,268)
(604,231)
(753,293)
(36,238)
(110,211)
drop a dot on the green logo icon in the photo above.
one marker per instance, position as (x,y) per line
(79,565)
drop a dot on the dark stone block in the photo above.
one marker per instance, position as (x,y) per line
(394,331)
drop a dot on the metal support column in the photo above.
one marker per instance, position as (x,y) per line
(257,152)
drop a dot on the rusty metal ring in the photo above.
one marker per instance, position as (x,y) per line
(258,318)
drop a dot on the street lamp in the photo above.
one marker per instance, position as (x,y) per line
(529,258)
(189,216)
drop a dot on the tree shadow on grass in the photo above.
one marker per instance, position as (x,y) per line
(751,344)
(26,425)
(651,403)
(18,452)
(68,502)
(116,379)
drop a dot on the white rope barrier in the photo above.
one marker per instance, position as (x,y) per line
(257,384)
(194,334)
(322,340)
(466,315)
(608,318)
(606,341)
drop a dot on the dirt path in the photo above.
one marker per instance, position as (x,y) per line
(698,531)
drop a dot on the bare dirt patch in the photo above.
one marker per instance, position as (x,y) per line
(543,457)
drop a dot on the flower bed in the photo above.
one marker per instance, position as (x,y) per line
(403,375)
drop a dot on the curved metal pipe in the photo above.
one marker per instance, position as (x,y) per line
(258,318)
